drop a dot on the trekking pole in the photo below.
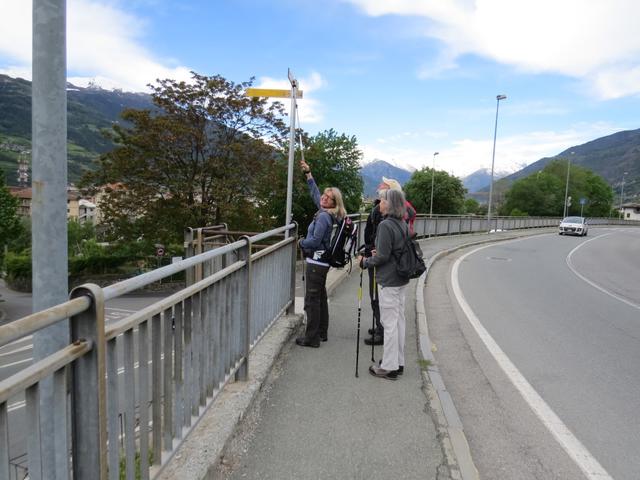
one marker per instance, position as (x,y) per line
(373,317)
(359,311)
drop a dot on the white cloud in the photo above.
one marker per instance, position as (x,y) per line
(593,41)
(310,110)
(103,46)
(464,156)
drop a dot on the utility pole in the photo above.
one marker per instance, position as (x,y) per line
(49,210)
(493,158)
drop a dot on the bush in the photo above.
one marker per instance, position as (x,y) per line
(18,268)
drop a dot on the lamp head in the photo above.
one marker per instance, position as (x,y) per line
(436,153)
(501,97)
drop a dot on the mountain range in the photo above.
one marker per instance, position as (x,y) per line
(92,110)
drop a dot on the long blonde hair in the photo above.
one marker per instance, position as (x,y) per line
(338,210)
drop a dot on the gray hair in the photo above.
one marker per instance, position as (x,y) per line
(396,203)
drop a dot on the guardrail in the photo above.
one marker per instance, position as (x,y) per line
(177,355)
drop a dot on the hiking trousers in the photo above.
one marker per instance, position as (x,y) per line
(315,302)
(392,300)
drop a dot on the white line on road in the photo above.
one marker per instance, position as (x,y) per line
(567,440)
(593,284)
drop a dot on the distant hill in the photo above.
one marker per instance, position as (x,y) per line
(89,112)
(373,172)
(608,157)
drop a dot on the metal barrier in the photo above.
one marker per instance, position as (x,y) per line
(131,391)
(128,393)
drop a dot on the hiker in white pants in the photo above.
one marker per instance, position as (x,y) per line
(390,240)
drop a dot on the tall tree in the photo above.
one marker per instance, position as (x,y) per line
(448,192)
(197,160)
(10,225)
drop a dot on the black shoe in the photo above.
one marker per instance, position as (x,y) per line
(375,340)
(304,342)
(399,371)
(371,331)
(382,373)
(323,339)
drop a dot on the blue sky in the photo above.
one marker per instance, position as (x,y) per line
(406,77)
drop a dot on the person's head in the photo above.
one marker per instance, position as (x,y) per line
(331,201)
(389,184)
(392,203)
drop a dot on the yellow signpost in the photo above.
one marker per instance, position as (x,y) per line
(271,92)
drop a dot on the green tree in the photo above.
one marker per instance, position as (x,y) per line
(335,162)
(10,224)
(448,192)
(543,193)
(471,206)
(196,160)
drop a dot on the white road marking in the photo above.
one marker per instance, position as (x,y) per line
(567,440)
(593,284)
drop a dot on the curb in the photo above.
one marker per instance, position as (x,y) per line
(451,434)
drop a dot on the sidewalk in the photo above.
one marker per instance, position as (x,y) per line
(309,417)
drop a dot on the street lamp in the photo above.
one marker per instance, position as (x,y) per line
(622,194)
(493,157)
(433,173)
(565,212)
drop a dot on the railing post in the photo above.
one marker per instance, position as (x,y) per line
(245,332)
(188,253)
(294,256)
(88,390)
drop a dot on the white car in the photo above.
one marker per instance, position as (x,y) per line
(573,226)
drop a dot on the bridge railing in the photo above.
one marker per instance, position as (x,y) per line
(129,392)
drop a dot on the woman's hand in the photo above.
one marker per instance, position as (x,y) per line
(304,166)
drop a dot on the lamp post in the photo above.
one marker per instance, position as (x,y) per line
(620,215)
(493,157)
(433,173)
(565,212)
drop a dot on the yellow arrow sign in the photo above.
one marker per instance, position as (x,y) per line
(271,92)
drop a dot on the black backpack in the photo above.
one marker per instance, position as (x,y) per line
(409,263)
(343,243)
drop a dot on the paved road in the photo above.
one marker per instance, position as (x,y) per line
(565,311)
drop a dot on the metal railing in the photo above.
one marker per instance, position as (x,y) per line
(128,393)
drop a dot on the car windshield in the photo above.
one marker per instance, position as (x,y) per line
(572,220)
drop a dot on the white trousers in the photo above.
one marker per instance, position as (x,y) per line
(393,321)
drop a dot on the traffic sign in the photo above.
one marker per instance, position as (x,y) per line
(583,201)
(271,92)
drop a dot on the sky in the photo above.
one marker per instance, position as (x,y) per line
(407,78)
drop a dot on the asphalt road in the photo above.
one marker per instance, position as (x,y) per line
(564,312)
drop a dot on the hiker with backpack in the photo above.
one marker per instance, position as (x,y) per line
(314,247)
(373,220)
(392,234)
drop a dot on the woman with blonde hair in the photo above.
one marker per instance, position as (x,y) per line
(314,245)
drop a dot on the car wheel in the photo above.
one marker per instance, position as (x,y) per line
(559,233)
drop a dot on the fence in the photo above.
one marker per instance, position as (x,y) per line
(132,390)
(126,394)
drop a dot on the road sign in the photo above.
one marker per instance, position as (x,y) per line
(583,201)
(271,92)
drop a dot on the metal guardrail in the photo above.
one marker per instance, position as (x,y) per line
(177,354)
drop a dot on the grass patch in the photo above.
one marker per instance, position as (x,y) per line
(424,364)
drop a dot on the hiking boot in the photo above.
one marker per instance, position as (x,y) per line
(399,371)
(375,340)
(305,342)
(376,371)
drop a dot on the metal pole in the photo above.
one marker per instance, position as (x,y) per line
(292,146)
(622,196)
(566,190)
(493,157)
(433,172)
(49,197)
